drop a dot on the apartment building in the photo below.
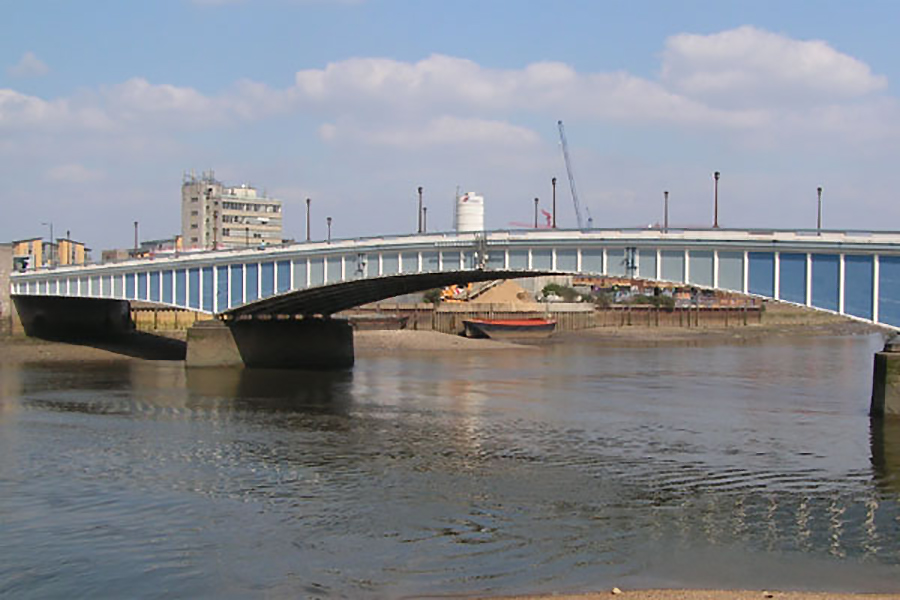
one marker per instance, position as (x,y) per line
(35,253)
(214,215)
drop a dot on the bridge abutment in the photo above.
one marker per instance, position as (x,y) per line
(68,317)
(886,381)
(310,343)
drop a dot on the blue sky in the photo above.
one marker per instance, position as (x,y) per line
(355,103)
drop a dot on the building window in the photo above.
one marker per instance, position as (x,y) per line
(194,213)
(195,199)
(193,226)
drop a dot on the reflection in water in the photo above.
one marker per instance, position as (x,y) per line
(885,440)
(557,468)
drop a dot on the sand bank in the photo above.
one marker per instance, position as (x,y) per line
(706,595)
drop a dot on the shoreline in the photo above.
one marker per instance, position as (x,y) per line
(171,345)
(704,594)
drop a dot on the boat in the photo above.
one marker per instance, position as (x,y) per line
(501,329)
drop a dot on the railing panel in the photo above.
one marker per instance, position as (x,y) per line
(761,273)
(792,277)
(268,280)
(672,265)
(701,267)
(858,286)
(251,282)
(209,291)
(566,260)
(194,288)
(889,290)
(826,281)
(731,271)
(647,263)
(237,285)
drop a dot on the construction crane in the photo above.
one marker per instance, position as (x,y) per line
(565,149)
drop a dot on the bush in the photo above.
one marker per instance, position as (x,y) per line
(433,296)
(566,293)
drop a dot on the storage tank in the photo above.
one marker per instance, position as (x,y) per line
(469,213)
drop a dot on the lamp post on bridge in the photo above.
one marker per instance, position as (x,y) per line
(535,212)
(819,219)
(666,211)
(553,184)
(328,221)
(421,226)
(424,219)
(716,201)
(308,201)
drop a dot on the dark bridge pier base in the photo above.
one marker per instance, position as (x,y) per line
(310,343)
(886,381)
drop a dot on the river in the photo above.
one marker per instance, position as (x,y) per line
(568,467)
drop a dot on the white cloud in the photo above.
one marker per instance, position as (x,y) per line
(441,131)
(28,66)
(74,173)
(749,67)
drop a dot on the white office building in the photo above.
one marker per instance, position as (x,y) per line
(214,215)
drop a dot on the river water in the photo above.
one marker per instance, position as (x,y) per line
(566,467)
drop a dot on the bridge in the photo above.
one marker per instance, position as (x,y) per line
(851,273)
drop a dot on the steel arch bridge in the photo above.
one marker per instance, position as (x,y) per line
(853,273)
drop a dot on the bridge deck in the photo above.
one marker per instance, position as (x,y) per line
(852,273)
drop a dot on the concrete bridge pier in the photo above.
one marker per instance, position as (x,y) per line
(886,381)
(308,343)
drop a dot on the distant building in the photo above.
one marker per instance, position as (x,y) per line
(217,216)
(35,253)
(70,252)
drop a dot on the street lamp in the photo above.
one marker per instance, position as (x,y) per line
(553,184)
(819,220)
(308,201)
(535,212)
(135,237)
(666,212)
(424,219)
(420,210)
(247,237)
(716,209)
(50,257)
(328,220)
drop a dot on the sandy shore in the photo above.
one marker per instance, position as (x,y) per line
(706,595)
(171,345)
(366,342)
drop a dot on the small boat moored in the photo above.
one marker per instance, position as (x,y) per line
(509,328)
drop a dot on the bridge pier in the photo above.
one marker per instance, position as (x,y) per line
(309,343)
(886,381)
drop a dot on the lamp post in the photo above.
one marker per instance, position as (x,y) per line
(535,212)
(716,195)
(553,185)
(50,247)
(666,211)
(424,219)
(819,220)
(328,220)
(420,210)
(247,237)
(308,201)
(135,237)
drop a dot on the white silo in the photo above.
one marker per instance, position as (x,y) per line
(469,213)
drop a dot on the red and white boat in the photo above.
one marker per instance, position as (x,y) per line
(509,328)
